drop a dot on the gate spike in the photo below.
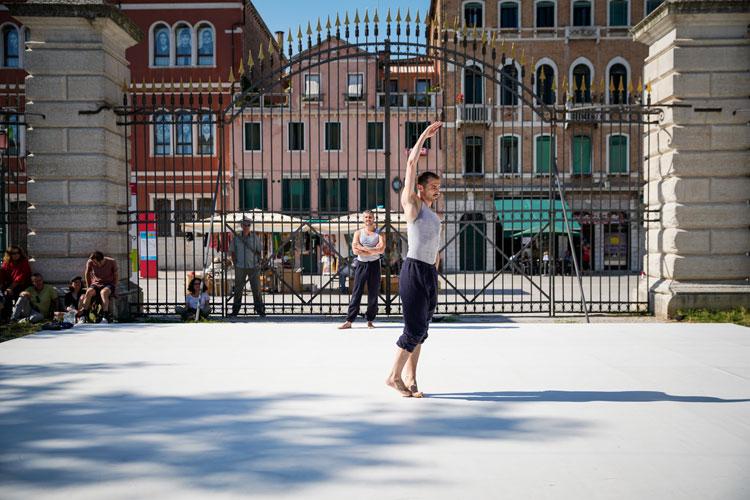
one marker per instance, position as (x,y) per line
(583,85)
(484,37)
(337,23)
(271,47)
(522,60)
(513,50)
(289,36)
(621,88)
(250,61)
(398,15)
(318,28)
(611,84)
(346,18)
(367,17)
(356,16)
(630,86)
(455,23)
(648,88)
(375,18)
(388,16)
(416,18)
(190,83)
(474,32)
(241,69)
(299,32)
(463,32)
(554,85)
(542,75)
(261,54)
(408,15)
(143,84)
(309,29)
(602,85)
(640,86)
(328,23)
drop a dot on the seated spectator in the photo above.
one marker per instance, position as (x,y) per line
(73,300)
(196,299)
(36,303)
(15,276)
(101,280)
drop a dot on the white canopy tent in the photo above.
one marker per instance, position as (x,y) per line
(262,222)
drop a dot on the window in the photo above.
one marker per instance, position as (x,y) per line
(581,84)
(163,211)
(206,134)
(545,14)
(618,84)
(184,143)
(10,47)
(581,155)
(9,123)
(509,15)
(205,45)
(545,151)
(618,12)
(183,212)
(312,87)
(163,134)
(651,5)
(581,13)
(473,155)
(371,193)
(295,195)
(618,154)
(252,136)
(413,131)
(333,136)
(421,97)
(509,155)
(375,135)
(545,78)
(473,88)
(509,85)
(296,136)
(183,46)
(161,46)
(473,14)
(253,194)
(205,207)
(333,195)
(355,86)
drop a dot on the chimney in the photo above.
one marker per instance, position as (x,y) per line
(280,39)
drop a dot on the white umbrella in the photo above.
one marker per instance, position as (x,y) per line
(348,224)
(262,222)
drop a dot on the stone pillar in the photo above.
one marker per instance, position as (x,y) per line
(698,165)
(77,175)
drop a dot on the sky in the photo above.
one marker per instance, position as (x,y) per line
(280,15)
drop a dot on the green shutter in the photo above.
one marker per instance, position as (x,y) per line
(545,147)
(253,194)
(581,155)
(618,12)
(618,154)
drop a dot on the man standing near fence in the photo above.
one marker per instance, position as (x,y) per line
(368,245)
(246,251)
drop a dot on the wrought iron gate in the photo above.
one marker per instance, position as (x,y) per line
(537,180)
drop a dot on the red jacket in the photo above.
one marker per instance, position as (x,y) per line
(17,273)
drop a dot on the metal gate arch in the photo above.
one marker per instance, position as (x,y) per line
(306,140)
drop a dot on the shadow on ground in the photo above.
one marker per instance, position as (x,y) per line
(53,435)
(579,397)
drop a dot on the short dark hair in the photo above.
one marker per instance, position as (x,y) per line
(192,282)
(96,255)
(76,278)
(37,275)
(426,177)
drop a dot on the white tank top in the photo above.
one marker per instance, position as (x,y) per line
(424,235)
(369,241)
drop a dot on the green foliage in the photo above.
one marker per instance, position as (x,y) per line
(738,316)
(16,330)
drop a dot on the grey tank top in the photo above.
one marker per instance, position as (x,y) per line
(369,241)
(424,235)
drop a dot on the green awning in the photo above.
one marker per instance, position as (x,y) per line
(527,217)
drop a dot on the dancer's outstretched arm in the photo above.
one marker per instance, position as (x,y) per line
(409,199)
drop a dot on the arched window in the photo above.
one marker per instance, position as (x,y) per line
(473,155)
(618,12)
(184,134)
(509,15)
(205,45)
(509,85)
(206,134)
(473,88)
(581,13)
(581,84)
(161,41)
(183,45)
(473,14)
(545,14)
(10,47)
(545,78)
(618,84)
(162,134)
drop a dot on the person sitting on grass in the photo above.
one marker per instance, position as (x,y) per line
(36,303)
(197,299)
(101,280)
(15,277)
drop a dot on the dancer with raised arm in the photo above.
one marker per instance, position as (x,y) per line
(368,245)
(418,280)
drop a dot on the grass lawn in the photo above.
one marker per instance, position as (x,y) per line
(738,316)
(15,330)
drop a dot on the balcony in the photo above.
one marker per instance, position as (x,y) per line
(583,113)
(261,101)
(406,100)
(473,113)
(582,33)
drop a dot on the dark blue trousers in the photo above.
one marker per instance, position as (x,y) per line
(417,286)
(365,272)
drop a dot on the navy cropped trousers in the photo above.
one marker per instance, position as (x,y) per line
(417,287)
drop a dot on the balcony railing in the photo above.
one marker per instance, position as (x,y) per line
(582,32)
(408,100)
(473,113)
(583,113)
(262,101)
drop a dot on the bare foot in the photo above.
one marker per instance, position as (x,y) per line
(398,384)
(415,392)
(346,326)
(370,325)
